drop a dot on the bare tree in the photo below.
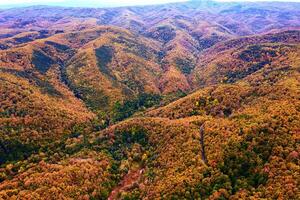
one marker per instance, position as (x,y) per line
(202,132)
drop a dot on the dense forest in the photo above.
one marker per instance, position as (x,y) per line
(194,100)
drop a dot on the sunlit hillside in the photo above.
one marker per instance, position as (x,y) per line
(194,100)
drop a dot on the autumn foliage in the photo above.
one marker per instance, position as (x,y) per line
(159,102)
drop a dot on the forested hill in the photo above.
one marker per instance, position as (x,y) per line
(194,100)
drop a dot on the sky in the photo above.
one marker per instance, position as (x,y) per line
(106,2)
(5,2)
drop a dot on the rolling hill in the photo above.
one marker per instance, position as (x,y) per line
(194,100)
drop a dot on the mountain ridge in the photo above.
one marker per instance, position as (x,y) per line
(174,101)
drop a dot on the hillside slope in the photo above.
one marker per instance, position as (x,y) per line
(180,101)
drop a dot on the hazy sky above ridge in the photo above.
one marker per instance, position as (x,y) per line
(106,2)
(121,2)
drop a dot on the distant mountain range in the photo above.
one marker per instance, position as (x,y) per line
(106,3)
